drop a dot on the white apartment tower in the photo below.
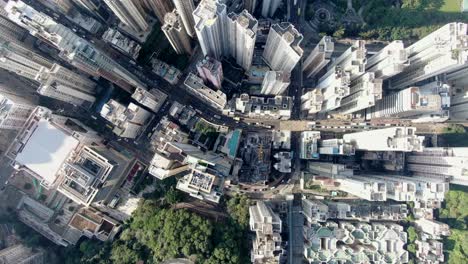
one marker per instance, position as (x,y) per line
(130,13)
(160,7)
(353,60)
(242,33)
(319,57)
(72,48)
(185,9)
(65,85)
(17,59)
(14,113)
(176,34)
(9,31)
(269,7)
(334,87)
(364,92)
(442,51)
(275,82)
(389,61)
(387,139)
(210,26)
(412,103)
(311,102)
(458,82)
(448,164)
(282,51)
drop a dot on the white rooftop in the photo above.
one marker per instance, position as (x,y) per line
(46,150)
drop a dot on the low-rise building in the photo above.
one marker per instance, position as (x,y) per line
(309,145)
(153,99)
(128,121)
(195,86)
(202,185)
(169,73)
(121,43)
(21,254)
(283,163)
(281,139)
(254,107)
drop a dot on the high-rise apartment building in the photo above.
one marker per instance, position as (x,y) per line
(319,57)
(386,139)
(185,9)
(211,70)
(63,6)
(443,51)
(14,112)
(153,99)
(215,98)
(282,51)
(353,61)
(275,82)
(269,7)
(448,164)
(160,7)
(210,26)
(389,61)
(250,5)
(311,102)
(364,92)
(242,33)
(22,61)
(72,48)
(267,226)
(309,145)
(334,87)
(413,103)
(176,34)
(130,13)
(63,84)
(10,31)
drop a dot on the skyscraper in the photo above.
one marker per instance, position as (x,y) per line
(282,51)
(250,5)
(22,61)
(74,49)
(9,31)
(442,51)
(185,9)
(242,33)
(448,164)
(387,139)
(175,33)
(130,13)
(13,112)
(389,61)
(269,7)
(413,103)
(319,57)
(160,7)
(210,26)
(275,82)
(65,85)
(364,92)
(211,70)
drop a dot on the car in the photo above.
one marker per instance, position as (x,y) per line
(115,200)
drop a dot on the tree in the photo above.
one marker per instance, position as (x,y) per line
(122,254)
(173,196)
(238,209)
(412,234)
(339,32)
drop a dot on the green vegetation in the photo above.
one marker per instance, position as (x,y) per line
(412,237)
(414,19)
(455,214)
(157,42)
(454,135)
(454,128)
(157,233)
(451,6)
(204,127)
(238,209)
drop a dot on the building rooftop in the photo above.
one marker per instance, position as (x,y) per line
(291,35)
(45,150)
